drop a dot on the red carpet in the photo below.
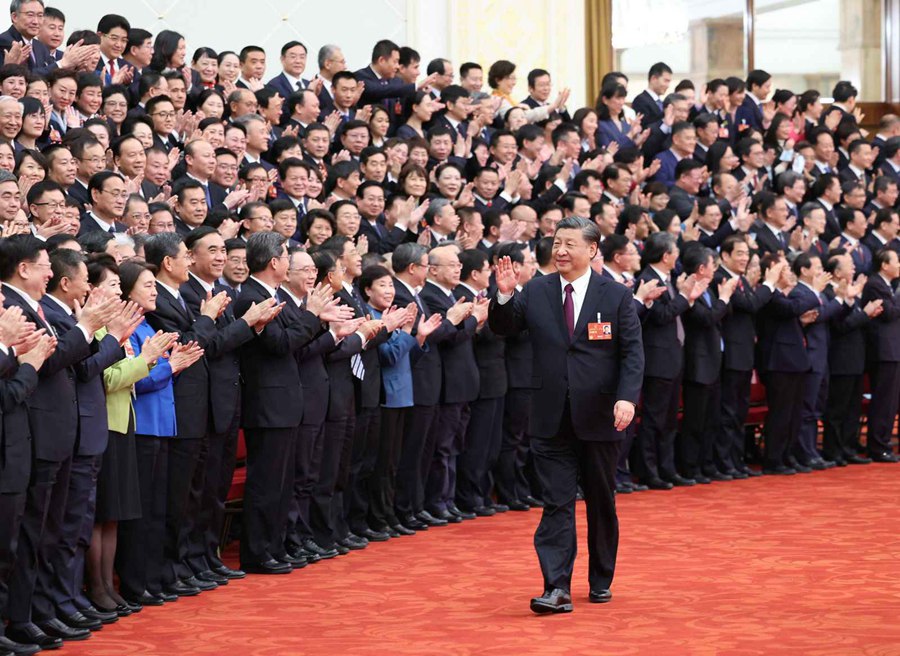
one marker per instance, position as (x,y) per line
(805,564)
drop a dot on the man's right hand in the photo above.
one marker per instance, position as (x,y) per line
(505,276)
(37,355)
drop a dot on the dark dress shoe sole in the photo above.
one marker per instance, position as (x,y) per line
(600,597)
(540,607)
(249,569)
(231,574)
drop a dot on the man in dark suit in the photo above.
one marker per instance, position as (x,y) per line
(749,114)
(168,253)
(853,228)
(883,354)
(272,401)
(108,194)
(826,192)
(205,513)
(702,365)
(782,362)
(591,372)
(846,368)
(381,84)
(684,140)
(773,212)
(459,376)
(370,199)
(683,194)
(649,103)
(739,337)
(200,161)
(844,95)
(162,112)
(53,417)
(663,335)
(66,291)
(885,231)
(27,16)
(293,63)
(18,380)
(113,32)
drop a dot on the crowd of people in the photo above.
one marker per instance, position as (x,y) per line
(196,248)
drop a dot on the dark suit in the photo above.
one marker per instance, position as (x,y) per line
(389,93)
(861,255)
(768,242)
(283,86)
(53,419)
(883,356)
(663,335)
(41,61)
(650,108)
(215,466)
(572,415)
(739,335)
(748,115)
(459,386)
(381,240)
(88,224)
(93,433)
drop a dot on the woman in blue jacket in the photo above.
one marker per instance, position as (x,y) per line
(139,557)
(397,356)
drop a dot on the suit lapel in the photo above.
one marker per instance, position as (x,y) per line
(592,297)
(554,296)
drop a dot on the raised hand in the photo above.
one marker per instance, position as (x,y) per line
(809,317)
(13,326)
(459,311)
(726,289)
(155,346)
(370,328)
(344,328)
(427,326)
(124,324)
(820,282)
(480,310)
(505,276)
(394,317)
(257,311)
(874,308)
(36,355)
(183,356)
(214,306)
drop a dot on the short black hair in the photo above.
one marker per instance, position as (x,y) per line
(17,249)
(109,22)
(659,68)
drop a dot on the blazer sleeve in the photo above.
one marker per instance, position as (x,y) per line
(508,319)
(106,354)
(18,387)
(631,347)
(124,373)
(392,351)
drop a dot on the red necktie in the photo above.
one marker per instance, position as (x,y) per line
(112,68)
(489,203)
(569,309)
(40,312)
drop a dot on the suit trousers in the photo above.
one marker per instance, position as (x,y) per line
(437,464)
(733,409)
(659,423)
(343,482)
(67,562)
(561,462)
(474,464)
(509,473)
(842,415)
(623,470)
(39,536)
(184,461)
(382,483)
(139,553)
(697,424)
(784,396)
(212,483)
(366,437)
(309,443)
(410,475)
(322,515)
(885,377)
(815,390)
(12,509)
(269,452)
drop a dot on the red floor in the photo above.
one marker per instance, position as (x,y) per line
(802,565)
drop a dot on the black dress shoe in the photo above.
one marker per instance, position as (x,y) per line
(885,456)
(270,566)
(391,533)
(400,529)
(533,502)
(29,634)
(600,596)
(212,577)
(453,509)
(517,505)
(57,629)
(736,475)
(680,481)
(622,488)
(323,554)
(413,524)
(817,465)
(839,462)
(701,479)
(166,597)
(134,608)
(181,589)
(858,460)
(341,549)
(374,536)
(352,543)
(719,476)
(639,487)
(659,484)
(146,599)
(427,518)
(77,620)
(124,610)
(484,511)
(552,601)
(102,615)
(12,647)
(752,473)
(228,573)
(203,586)
(295,560)
(499,507)
(779,470)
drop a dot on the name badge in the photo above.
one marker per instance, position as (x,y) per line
(600,331)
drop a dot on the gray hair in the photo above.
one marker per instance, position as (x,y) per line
(160,246)
(406,254)
(247,119)
(16,5)
(262,247)
(325,53)
(434,209)
(589,230)
(20,107)
(6,176)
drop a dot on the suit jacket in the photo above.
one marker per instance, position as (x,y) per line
(489,349)
(223,354)
(396,357)
(460,381)
(666,173)
(53,406)
(587,375)
(832,227)
(889,171)
(817,334)
(861,255)
(368,390)
(78,191)
(883,335)
(89,225)
(847,175)
(40,63)
(703,339)
(271,395)
(739,324)
(646,105)
(17,384)
(379,91)
(874,244)
(781,345)
(682,202)
(166,144)
(342,384)
(662,352)
(381,240)
(767,242)
(847,348)
(426,371)
(191,384)
(283,86)
(639,307)
(748,115)
(93,426)
(103,72)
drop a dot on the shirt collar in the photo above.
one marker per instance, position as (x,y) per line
(828,206)
(662,275)
(272,290)
(618,277)
(580,284)
(207,287)
(174,292)
(284,290)
(446,291)
(65,308)
(100,222)
(852,240)
(475,292)
(409,288)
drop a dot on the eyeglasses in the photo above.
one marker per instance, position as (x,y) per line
(141,215)
(92,160)
(52,206)
(116,194)
(228,167)
(455,265)
(237,261)
(164,115)
(116,39)
(118,104)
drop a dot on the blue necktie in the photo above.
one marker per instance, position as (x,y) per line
(208,196)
